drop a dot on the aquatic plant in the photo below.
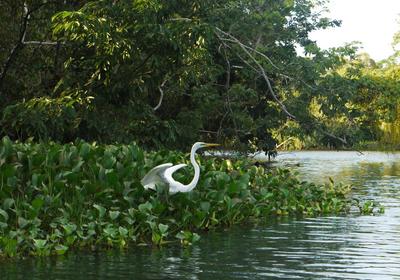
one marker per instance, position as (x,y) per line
(54,198)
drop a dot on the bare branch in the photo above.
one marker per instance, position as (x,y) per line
(237,41)
(208,131)
(261,70)
(162,94)
(343,140)
(19,45)
(225,37)
(41,43)
(181,19)
(283,143)
(21,39)
(228,71)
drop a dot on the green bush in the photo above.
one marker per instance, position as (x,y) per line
(57,197)
(44,118)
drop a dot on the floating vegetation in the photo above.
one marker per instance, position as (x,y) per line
(54,198)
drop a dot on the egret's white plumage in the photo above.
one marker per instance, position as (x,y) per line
(154,176)
(163,173)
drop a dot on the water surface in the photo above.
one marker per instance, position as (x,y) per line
(351,247)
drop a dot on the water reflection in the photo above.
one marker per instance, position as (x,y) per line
(355,247)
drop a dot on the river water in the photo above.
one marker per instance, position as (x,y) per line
(350,247)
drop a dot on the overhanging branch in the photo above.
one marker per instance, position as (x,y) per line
(160,88)
(227,38)
(220,34)
(41,43)
(21,39)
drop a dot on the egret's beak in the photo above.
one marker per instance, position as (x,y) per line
(212,145)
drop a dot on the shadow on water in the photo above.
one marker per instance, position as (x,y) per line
(352,247)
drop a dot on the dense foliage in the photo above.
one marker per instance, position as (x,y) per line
(59,197)
(363,104)
(158,71)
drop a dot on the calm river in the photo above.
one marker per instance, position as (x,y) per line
(352,247)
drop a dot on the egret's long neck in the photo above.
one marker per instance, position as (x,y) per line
(196,166)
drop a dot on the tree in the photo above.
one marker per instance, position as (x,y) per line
(184,69)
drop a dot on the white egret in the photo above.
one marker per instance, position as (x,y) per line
(163,173)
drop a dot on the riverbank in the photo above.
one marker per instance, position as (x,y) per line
(55,198)
(373,146)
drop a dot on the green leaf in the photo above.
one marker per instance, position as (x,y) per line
(156,238)
(163,228)
(110,231)
(34,180)
(145,207)
(195,237)
(61,249)
(132,212)
(22,222)
(7,203)
(77,167)
(12,181)
(114,214)
(10,246)
(244,181)
(123,231)
(69,228)
(285,191)
(129,220)
(180,235)
(111,177)
(233,187)
(84,151)
(40,243)
(37,203)
(8,170)
(108,161)
(101,210)
(4,215)
(266,194)
(205,206)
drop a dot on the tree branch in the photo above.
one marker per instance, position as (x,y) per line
(18,45)
(41,43)
(21,39)
(225,37)
(251,49)
(259,66)
(343,140)
(162,94)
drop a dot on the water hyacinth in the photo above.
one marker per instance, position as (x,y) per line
(55,197)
